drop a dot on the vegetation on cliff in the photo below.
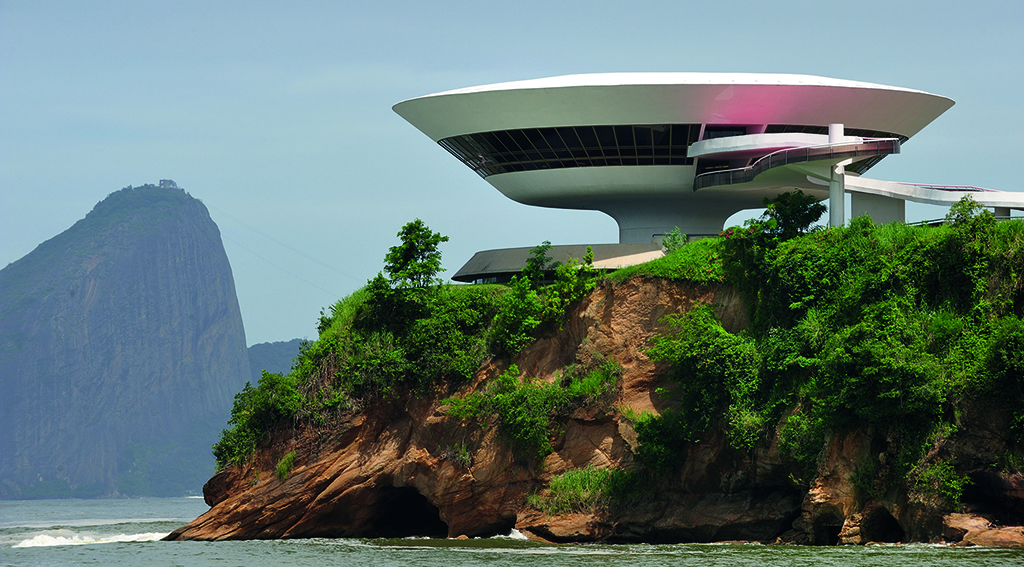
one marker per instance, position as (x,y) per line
(895,330)
(892,329)
(407,332)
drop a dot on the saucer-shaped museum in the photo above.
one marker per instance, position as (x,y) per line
(662,150)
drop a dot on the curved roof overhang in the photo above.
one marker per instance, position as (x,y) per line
(673,98)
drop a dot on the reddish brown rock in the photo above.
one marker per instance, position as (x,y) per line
(969,529)
(392,470)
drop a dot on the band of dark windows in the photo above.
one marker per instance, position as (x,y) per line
(491,153)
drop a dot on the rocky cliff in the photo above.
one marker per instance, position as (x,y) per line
(121,348)
(404,467)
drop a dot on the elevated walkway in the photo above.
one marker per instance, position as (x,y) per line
(883,200)
(842,151)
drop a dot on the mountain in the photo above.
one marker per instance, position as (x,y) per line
(121,349)
(272,357)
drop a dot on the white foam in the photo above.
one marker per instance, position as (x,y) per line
(514,534)
(44,540)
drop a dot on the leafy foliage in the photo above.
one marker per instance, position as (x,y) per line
(525,407)
(525,309)
(941,479)
(415,261)
(591,490)
(715,370)
(517,318)
(889,328)
(674,240)
(284,466)
(254,415)
(539,264)
(699,261)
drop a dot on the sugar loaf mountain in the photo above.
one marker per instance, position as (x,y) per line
(121,349)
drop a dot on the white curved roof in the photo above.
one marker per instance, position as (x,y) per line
(673,98)
(618,79)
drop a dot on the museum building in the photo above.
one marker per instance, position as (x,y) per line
(661,150)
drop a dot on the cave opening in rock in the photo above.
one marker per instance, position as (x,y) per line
(879,525)
(827,528)
(404,512)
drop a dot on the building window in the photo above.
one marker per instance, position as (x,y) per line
(490,153)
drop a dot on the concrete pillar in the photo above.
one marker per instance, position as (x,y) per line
(836,193)
(835,133)
(882,210)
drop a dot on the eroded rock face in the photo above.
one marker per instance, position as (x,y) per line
(391,470)
(388,471)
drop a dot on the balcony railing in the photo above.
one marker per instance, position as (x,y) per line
(866,148)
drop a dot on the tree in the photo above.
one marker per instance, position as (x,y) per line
(414,262)
(793,214)
(539,264)
(674,240)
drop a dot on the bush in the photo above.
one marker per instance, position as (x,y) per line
(591,491)
(284,466)
(518,317)
(525,406)
(716,371)
(255,413)
(699,261)
(940,479)
(673,241)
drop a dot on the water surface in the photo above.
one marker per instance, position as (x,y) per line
(127,532)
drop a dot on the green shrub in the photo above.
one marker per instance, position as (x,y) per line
(525,406)
(715,370)
(940,479)
(518,317)
(284,466)
(591,491)
(699,261)
(673,241)
(255,413)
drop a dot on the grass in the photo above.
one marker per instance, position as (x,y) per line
(284,467)
(590,491)
(699,261)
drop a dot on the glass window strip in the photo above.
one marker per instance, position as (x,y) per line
(529,149)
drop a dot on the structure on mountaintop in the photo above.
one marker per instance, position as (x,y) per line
(662,150)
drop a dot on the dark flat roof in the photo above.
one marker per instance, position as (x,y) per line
(503,263)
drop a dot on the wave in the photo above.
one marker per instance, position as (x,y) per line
(513,535)
(83,523)
(44,540)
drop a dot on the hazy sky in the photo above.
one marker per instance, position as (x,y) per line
(279,116)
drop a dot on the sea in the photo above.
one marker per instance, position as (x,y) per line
(128,532)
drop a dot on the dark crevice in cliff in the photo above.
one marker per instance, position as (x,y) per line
(988,492)
(404,512)
(878,525)
(827,527)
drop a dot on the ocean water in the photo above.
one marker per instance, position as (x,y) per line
(127,532)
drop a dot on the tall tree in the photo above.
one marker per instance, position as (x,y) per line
(415,262)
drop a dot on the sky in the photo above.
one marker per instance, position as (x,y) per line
(278,115)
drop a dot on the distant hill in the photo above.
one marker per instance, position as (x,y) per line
(121,349)
(272,357)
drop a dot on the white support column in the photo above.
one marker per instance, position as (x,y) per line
(837,183)
(837,196)
(836,133)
